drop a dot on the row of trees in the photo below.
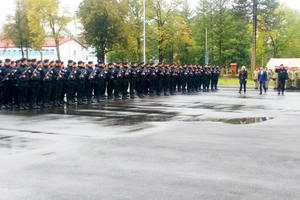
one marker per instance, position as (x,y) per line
(33,21)
(176,32)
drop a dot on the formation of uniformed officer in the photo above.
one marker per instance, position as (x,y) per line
(26,84)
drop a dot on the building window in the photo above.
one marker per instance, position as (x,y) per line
(1,53)
(74,52)
(51,52)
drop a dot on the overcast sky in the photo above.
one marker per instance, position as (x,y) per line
(7,7)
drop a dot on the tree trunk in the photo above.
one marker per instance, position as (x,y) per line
(253,63)
(57,48)
(100,55)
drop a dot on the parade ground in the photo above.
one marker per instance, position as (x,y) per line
(204,146)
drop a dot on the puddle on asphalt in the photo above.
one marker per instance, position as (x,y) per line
(251,120)
(14,142)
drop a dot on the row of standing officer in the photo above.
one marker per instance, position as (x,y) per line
(31,84)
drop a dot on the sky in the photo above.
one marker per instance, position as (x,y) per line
(7,7)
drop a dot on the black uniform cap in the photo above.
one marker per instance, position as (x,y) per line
(70,61)
(33,60)
(57,61)
(80,62)
(23,60)
(90,62)
(46,60)
(7,60)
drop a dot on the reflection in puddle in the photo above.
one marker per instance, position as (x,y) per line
(251,120)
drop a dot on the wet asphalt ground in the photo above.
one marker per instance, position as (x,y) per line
(219,145)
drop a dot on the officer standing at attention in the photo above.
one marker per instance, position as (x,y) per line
(282,78)
(133,80)
(110,80)
(5,72)
(89,84)
(255,77)
(22,83)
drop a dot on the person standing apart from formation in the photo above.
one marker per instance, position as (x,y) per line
(255,77)
(262,78)
(282,78)
(243,76)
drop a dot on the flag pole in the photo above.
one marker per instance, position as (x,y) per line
(144,31)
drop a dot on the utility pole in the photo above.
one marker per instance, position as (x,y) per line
(254,34)
(145,31)
(206,48)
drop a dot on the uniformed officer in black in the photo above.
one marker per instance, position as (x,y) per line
(5,73)
(118,76)
(81,76)
(133,80)
(56,81)
(35,86)
(126,72)
(282,78)
(89,82)
(102,77)
(22,76)
(46,77)
(110,80)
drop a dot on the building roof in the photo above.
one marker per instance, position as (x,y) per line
(287,62)
(49,42)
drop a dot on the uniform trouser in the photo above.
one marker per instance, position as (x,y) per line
(56,90)
(140,86)
(102,87)
(89,90)
(146,86)
(256,83)
(132,86)
(262,85)
(117,87)
(22,93)
(214,83)
(151,85)
(243,85)
(124,86)
(7,93)
(63,90)
(179,83)
(166,83)
(81,91)
(34,91)
(189,84)
(97,89)
(70,91)
(159,85)
(1,95)
(46,92)
(172,85)
(184,83)
(281,86)
(110,87)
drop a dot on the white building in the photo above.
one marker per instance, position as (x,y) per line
(287,62)
(69,49)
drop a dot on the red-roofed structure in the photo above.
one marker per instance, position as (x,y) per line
(49,42)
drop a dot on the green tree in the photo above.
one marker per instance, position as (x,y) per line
(102,22)
(17,28)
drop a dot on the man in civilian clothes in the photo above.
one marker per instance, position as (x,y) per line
(262,78)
